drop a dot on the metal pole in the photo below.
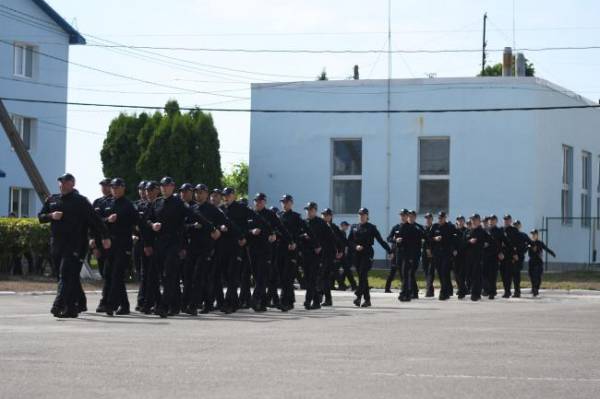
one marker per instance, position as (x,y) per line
(388,122)
(15,141)
(484,44)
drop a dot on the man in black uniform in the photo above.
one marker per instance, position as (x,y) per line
(427,256)
(443,236)
(461,271)
(408,244)
(412,218)
(345,261)
(186,194)
(151,271)
(167,217)
(476,240)
(511,257)
(392,238)
(68,214)
(493,255)
(522,244)
(138,247)
(121,219)
(99,205)
(235,248)
(331,252)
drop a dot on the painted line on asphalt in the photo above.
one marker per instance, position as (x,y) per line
(486,377)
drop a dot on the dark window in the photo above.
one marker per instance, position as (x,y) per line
(433,195)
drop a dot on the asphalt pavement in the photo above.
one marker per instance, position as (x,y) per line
(507,348)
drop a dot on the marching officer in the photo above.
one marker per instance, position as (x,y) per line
(442,237)
(461,271)
(493,255)
(138,248)
(99,205)
(331,252)
(427,256)
(361,239)
(121,219)
(68,214)
(408,242)
(345,260)
(536,248)
(510,264)
(151,271)
(392,238)
(476,240)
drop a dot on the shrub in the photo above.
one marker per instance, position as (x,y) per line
(23,238)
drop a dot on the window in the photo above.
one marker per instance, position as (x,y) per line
(586,188)
(23,65)
(347,176)
(567,185)
(20,201)
(24,127)
(434,174)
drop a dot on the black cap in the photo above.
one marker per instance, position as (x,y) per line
(117,182)
(201,187)
(493,217)
(186,187)
(363,211)
(311,205)
(104,182)
(327,211)
(517,223)
(507,216)
(428,215)
(228,190)
(274,209)
(260,197)
(475,216)
(286,198)
(66,177)
(151,185)
(412,212)
(217,191)
(486,218)
(534,231)
(442,214)
(460,217)
(344,223)
(166,181)
(142,185)
(403,211)
(244,201)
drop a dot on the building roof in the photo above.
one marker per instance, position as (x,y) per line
(74,36)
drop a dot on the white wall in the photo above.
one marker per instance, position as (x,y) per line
(49,147)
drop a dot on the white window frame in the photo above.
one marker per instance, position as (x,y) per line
(19,122)
(335,177)
(566,210)
(586,188)
(22,73)
(421,177)
(20,191)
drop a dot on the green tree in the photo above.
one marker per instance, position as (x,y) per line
(496,69)
(238,178)
(184,146)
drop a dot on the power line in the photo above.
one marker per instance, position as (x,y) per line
(317,111)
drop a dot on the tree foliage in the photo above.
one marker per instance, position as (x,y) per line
(184,146)
(238,178)
(496,69)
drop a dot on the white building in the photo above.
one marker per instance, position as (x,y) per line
(531,164)
(34,50)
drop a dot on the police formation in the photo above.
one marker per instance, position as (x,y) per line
(200,251)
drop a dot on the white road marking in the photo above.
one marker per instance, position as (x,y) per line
(487,377)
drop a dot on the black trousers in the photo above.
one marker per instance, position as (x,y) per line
(346,273)
(289,265)
(429,270)
(114,291)
(150,282)
(245,297)
(231,263)
(274,277)
(536,270)
(311,266)
(327,275)
(511,275)
(69,284)
(490,271)
(168,262)
(201,294)
(474,264)
(261,263)
(441,263)
(363,260)
(462,275)
(395,267)
(189,271)
(408,275)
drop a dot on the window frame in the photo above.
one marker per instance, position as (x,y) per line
(566,210)
(334,177)
(19,122)
(20,191)
(421,177)
(24,48)
(586,188)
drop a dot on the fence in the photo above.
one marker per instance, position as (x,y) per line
(574,239)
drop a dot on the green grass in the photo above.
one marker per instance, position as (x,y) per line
(582,280)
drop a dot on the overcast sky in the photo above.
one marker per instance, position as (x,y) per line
(292,24)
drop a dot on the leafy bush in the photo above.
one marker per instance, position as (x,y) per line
(23,238)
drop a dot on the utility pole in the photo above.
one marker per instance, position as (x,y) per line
(17,143)
(388,122)
(483,55)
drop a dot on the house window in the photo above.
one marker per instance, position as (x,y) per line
(434,174)
(567,185)
(23,65)
(20,202)
(25,128)
(347,175)
(586,188)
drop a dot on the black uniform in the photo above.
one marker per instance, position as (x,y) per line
(510,270)
(171,212)
(408,250)
(536,264)
(396,263)
(330,251)
(345,263)
(474,258)
(442,255)
(119,255)
(317,265)
(492,255)
(364,234)
(66,243)
(138,252)
(462,273)
(427,262)
(99,206)
(261,256)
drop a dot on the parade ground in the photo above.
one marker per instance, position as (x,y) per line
(516,348)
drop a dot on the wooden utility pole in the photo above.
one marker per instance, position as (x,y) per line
(483,56)
(17,143)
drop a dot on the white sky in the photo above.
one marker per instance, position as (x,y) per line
(306,24)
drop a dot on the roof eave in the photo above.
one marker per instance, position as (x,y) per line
(74,36)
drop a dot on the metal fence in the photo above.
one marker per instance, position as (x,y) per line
(574,239)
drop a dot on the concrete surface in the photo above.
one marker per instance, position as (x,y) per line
(517,348)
